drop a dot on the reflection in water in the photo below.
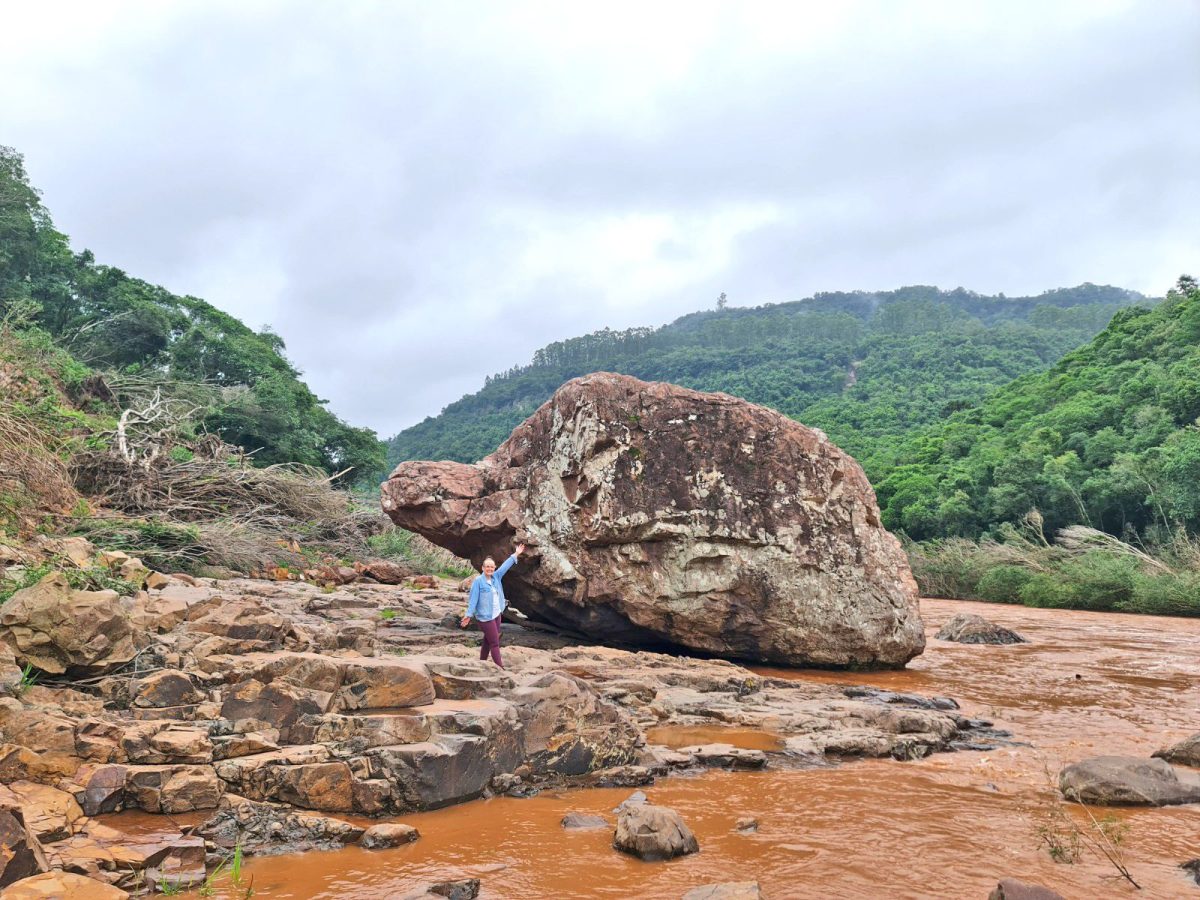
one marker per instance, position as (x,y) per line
(947,826)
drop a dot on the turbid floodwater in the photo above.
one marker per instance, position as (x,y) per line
(950,825)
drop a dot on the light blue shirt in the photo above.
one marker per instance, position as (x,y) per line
(487,597)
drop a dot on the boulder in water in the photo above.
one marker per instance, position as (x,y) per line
(1128,781)
(661,516)
(968,628)
(653,832)
(1185,753)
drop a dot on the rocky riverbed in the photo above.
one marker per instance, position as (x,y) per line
(278,716)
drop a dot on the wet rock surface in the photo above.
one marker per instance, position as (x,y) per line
(649,524)
(1128,781)
(1012,889)
(1184,753)
(726,890)
(249,709)
(62,886)
(653,833)
(966,628)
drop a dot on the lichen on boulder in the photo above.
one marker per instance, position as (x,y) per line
(661,516)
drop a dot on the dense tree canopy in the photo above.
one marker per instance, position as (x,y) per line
(866,367)
(1108,437)
(251,395)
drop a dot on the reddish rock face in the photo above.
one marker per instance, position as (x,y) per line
(658,515)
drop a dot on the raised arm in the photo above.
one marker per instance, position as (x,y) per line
(510,562)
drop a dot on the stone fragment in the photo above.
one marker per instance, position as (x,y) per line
(462,889)
(727,890)
(62,886)
(649,524)
(183,745)
(133,570)
(267,829)
(48,813)
(384,683)
(79,551)
(968,628)
(388,835)
(243,619)
(172,788)
(1128,781)
(97,788)
(112,559)
(233,745)
(569,729)
(58,629)
(1012,889)
(20,851)
(726,756)
(1184,753)
(157,581)
(166,688)
(746,825)
(653,832)
(1192,868)
(383,571)
(573,821)
(252,705)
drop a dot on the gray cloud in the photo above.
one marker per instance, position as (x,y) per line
(393,187)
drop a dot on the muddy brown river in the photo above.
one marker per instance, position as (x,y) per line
(947,826)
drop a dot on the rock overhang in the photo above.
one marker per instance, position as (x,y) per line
(661,516)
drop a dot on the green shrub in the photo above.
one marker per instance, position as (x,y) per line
(1165,595)
(1003,584)
(1047,590)
(1100,580)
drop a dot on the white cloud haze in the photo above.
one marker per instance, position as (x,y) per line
(417,195)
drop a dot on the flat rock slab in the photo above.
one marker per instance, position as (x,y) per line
(968,628)
(62,886)
(1128,781)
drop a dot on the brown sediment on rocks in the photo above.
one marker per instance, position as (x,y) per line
(660,516)
(251,702)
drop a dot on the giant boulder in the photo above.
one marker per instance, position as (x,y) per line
(661,516)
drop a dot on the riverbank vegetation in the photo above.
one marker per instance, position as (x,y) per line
(1082,569)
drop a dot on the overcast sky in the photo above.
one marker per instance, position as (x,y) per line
(416,195)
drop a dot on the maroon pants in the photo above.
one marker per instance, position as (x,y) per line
(491,640)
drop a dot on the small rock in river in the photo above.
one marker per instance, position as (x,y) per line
(729,890)
(1011,889)
(576,820)
(967,628)
(653,832)
(388,835)
(747,825)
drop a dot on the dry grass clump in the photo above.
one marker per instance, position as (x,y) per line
(1082,569)
(33,478)
(208,506)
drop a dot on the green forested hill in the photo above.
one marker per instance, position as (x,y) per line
(141,335)
(1108,437)
(865,367)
